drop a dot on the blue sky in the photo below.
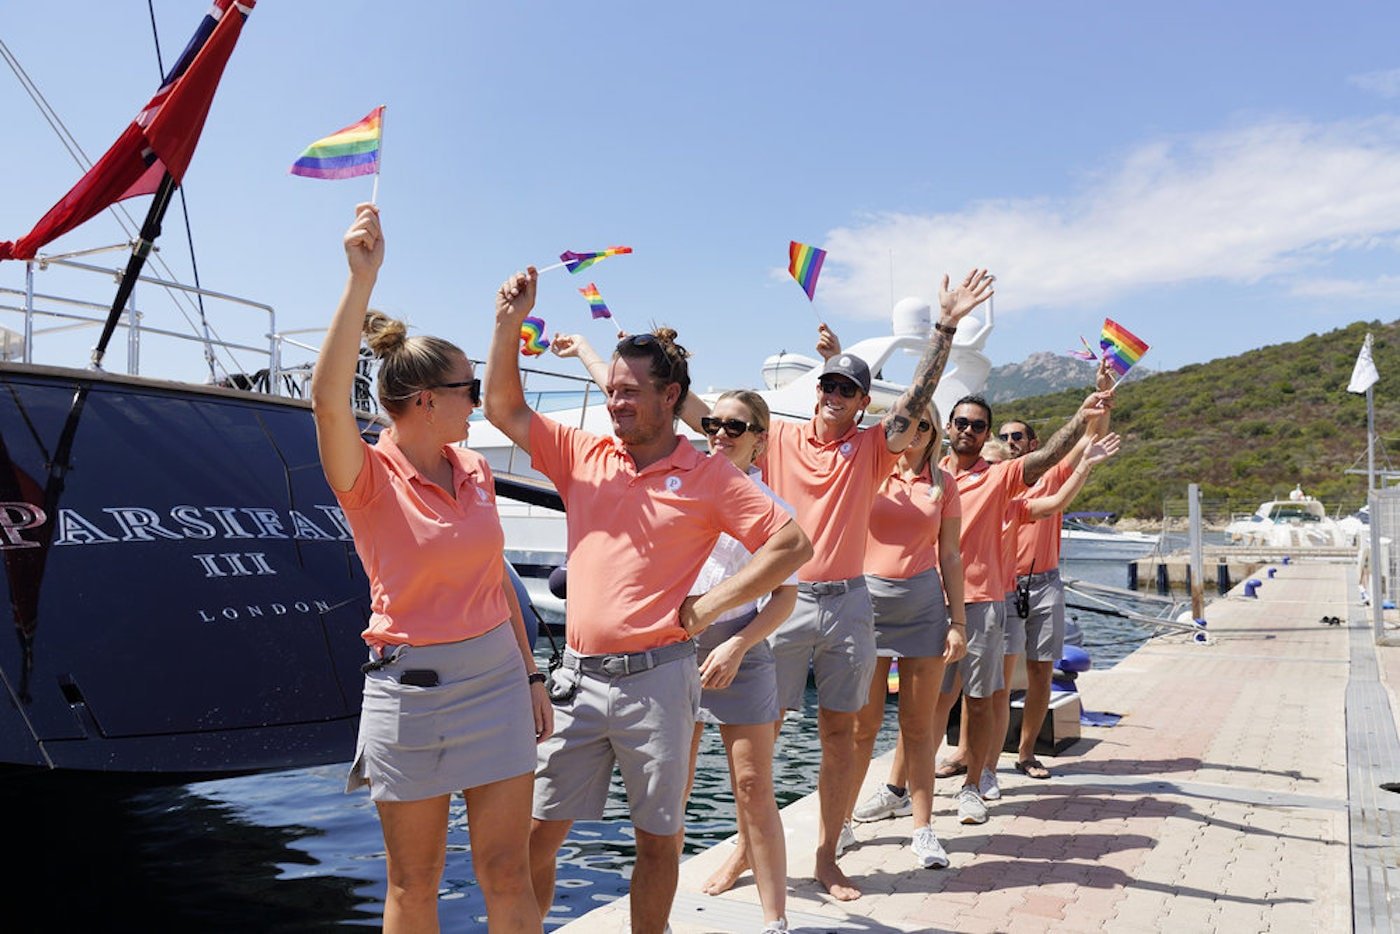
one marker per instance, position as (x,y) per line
(1215,177)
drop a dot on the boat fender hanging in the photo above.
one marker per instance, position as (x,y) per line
(1251,585)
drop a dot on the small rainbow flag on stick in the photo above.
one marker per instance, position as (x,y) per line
(805,264)
(576,261)
(596,304)
(346,153)
(1086,354)
(1121,348)
(532,337)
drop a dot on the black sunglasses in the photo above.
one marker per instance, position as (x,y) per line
(473,387)
(1011,435)
(733,427)
(846,388)
(653,346)
(924,426)
(976,424)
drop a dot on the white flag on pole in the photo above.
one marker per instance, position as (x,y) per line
(1363,375)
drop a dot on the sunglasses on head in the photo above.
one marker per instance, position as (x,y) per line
(732,427)
(977,425)
(1011,435)
(651,344)
(846,388)
(473,387)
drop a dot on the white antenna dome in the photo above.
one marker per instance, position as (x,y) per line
(911,318)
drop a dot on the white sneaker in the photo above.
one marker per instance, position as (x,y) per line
(988,786)
(846,840)
(971,810)
(882,804)
(928,850)
(775,927)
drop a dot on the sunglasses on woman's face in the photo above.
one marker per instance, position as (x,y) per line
(847,389)
(732,427)
(924,426)
(473,387)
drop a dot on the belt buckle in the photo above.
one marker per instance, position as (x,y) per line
(614,665)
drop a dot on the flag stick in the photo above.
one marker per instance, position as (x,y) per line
(379,163)
(551,266)
(616,323)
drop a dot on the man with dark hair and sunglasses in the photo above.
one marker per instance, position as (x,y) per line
(644,510)
(1040,633)
(830,471)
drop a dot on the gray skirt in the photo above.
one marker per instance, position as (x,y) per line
(752,697)
(911,616)
(476,726)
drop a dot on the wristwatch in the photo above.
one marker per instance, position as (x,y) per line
(537,677)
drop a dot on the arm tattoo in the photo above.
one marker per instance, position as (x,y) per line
(921,387)
(1052,451)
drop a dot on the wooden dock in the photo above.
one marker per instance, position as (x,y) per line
(1241,791)
(1223,566)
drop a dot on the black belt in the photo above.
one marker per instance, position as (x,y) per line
(1041,576)
(827,588)
(615,666)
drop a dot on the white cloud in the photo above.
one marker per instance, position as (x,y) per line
(1380,288)
(1384,83)
(1272,200)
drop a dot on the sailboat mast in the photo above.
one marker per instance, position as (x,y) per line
(150,229)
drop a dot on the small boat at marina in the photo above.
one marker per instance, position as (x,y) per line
(1089,536)
(1297,521)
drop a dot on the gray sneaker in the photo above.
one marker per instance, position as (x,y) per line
(971,810)
(775,927)
(927,850)
(988,786)
(846,840)
(882,804)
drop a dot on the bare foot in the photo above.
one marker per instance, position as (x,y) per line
(836,882)
(725,876)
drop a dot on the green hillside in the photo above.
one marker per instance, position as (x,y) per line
(1246,428)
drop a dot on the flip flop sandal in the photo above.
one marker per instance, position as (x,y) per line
(1031,768)
(949,770)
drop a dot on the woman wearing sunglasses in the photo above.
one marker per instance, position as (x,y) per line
(452,699)
(915,525)
(738,680)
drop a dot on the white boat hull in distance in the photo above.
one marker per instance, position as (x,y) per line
(1079,545)
(1296,522)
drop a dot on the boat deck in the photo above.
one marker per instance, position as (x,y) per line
(1220,801)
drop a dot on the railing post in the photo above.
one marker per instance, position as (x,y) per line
(29,311)
(133,336)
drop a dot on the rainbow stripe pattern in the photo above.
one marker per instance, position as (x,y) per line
(532,337)
(595,301)
(576,261)
(805,264)
(345,153)
(1121,348)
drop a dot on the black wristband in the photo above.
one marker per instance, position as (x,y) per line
(949,329)
(536,677)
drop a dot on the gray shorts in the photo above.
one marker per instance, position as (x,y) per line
(475,727)
(752,697)
(981,668)
(1041,636)
(832,632)
(642,722)
(911,615)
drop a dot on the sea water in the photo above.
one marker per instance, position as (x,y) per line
(290,851)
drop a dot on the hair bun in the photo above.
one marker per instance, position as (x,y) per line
(667,336)
(384,334)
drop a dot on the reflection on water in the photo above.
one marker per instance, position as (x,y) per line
(291,852)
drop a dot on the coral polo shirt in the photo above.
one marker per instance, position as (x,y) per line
(638,539)
(1038,543)
(905,521)
(832,485)
(434,560)
(986,491)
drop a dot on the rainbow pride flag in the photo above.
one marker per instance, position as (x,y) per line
(532,337)
(805,264)
(595,301)
(576,261)
(345,153)
(1121,348)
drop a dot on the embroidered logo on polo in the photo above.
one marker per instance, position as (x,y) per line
(482,496)
(846,449)
(673,483)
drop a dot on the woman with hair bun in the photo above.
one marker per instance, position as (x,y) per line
(452,698)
